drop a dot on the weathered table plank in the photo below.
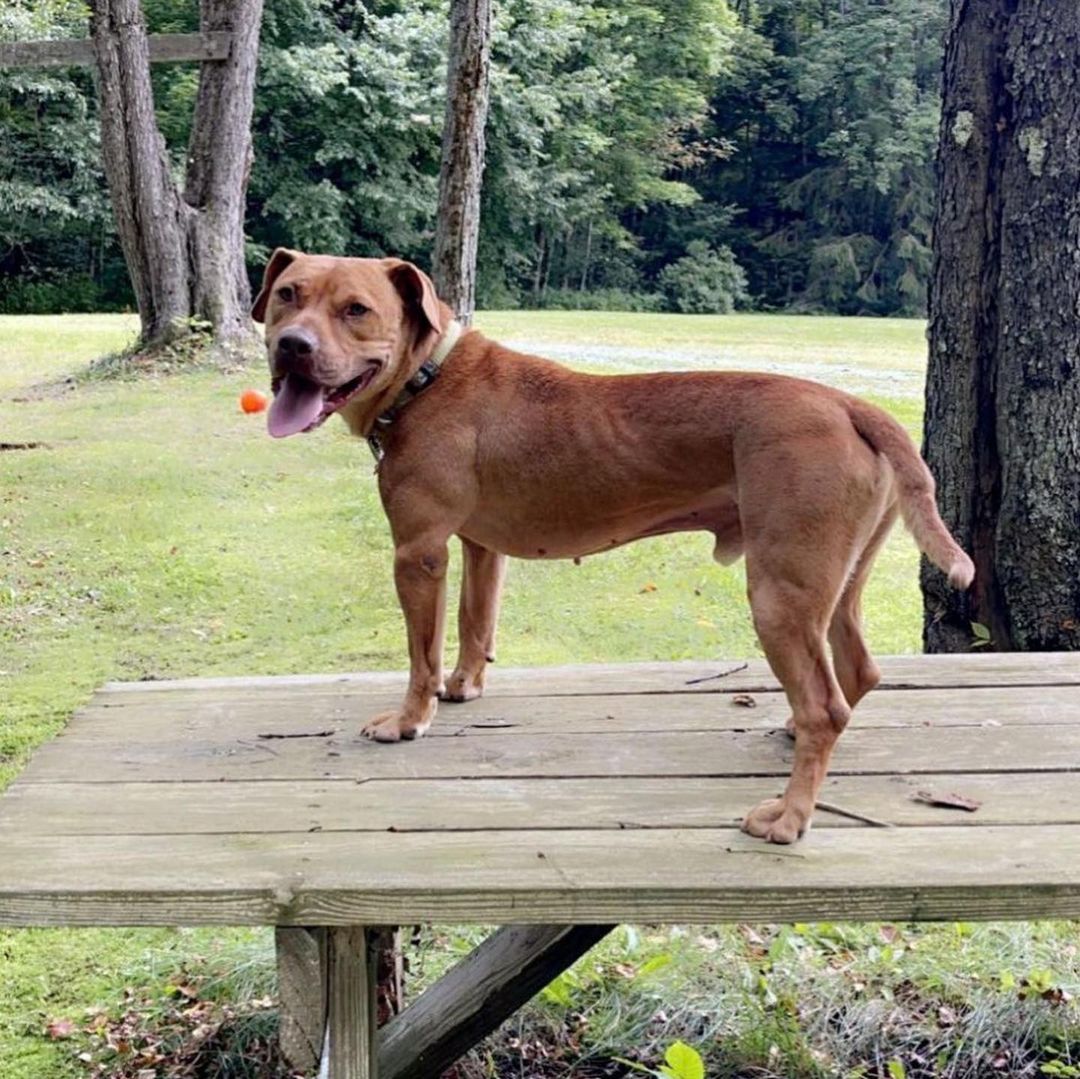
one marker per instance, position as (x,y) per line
(528,804)
(579,877)
(82,757)
(975,669)
(547,802)
(576,796)
(148,718)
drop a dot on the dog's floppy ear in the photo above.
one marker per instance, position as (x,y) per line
(281,258)
(418,292)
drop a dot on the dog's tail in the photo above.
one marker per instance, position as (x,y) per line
(915,488)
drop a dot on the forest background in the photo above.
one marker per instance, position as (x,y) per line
(684,155)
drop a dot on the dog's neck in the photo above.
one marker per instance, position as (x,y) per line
(416,377)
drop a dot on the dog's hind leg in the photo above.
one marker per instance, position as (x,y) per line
(800,554)
(791,621)
(855,668)
(478,614)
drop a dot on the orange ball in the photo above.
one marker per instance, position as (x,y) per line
(252,401)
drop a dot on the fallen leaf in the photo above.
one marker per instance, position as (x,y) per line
(752,936)
(649,587)
(947,801)
(60,1028)
(946,1016)
(744,700)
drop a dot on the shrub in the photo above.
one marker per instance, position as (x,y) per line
(705,281)
(603,299)
(51,296)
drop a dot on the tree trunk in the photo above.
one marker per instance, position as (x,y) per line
(184,252)
(458,227)
(218,165)
(150,217)
(1003,384)
(588,259)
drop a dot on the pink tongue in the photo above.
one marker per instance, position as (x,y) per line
(296,405)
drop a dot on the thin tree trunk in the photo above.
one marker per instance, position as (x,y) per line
(458,227)
(1003,383)
(218,164)
(150,216)
(588,258)
(538,273)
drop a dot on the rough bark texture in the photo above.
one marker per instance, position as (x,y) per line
(150,217)
(218,165)
(1003,385)
(184,251)
(454,263)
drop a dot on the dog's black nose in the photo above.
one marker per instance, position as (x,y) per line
(295,344)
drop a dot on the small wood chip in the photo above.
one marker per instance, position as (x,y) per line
(744,700)
(947,801)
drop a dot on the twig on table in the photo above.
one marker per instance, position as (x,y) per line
(840,811)
(713,677)
(299,734)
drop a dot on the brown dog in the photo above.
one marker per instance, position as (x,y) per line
(519,456)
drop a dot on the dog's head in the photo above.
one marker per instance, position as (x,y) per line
(341,332)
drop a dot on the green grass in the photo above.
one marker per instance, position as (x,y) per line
(897,343)
(161,534)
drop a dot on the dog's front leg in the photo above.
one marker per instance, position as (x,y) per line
(420,576)
(481,588)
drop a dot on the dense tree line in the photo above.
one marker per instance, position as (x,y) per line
(687,154)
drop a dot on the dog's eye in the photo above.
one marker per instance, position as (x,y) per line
(286,293)
(355,310)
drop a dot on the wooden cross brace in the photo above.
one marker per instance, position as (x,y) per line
(164,49)
(327,981)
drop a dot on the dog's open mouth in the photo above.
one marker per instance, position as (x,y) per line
(302,405)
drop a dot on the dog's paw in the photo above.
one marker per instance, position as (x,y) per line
(776,821)
(462,686)
(395,726)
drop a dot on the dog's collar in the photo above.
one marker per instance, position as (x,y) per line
(424,377)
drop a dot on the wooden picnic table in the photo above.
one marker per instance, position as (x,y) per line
(566,801)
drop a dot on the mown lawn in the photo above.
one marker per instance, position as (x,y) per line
(160,533)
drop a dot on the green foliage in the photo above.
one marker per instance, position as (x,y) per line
(833,116)
(682,1061)
(705,281)
(348,112)
(798,135)
(33,295)
(601,299)
(55,219)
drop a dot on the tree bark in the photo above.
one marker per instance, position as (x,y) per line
(462,170)
(150,217)
(184,250)
(1003,383)
(218,166)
